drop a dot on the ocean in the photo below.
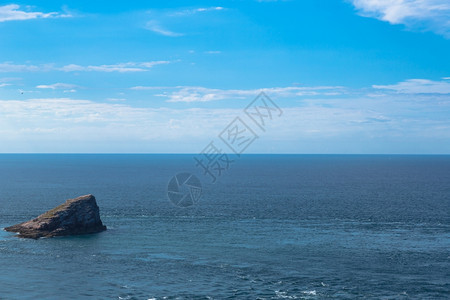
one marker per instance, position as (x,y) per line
(269,227)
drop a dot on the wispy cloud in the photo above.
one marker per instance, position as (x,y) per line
(185,12)
(12,12)
(419,86)
(157,28)
(146,88)
(61,119)
(116,99)
(120,67)
(303,128)
(193,94)
(209,8)
(57,86)
(160,18)
(203,94)
(430,15)
(66,87)
(74,118)
(402,114)
(10,67)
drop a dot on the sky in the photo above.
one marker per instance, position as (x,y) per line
(346,77)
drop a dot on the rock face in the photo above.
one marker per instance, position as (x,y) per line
(76,216)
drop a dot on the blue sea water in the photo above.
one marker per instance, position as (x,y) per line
(271,227)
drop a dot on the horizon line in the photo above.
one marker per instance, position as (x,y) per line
(176,153)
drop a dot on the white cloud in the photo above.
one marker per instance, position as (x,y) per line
(12,12)
(418,86)
(405,117)
(10,67)
(68,115)
(202,94)
(157,28)
(61,124)
(116,99)
(144,88)
(431,15)
(213,52)
(186,12)
(209,8)
(57,86)
(120,67)
(161,17)
(155,63)
(61,119)
(4,84)
(201,9)
(123,67)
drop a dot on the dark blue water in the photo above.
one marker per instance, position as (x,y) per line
(272,227)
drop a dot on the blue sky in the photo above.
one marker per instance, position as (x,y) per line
(361,76)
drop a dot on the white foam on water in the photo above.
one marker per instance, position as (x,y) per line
(284,295)
(310,293)
(5,234)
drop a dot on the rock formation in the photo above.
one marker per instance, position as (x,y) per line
(76,216)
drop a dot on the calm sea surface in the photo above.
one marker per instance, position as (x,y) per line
(271,227)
